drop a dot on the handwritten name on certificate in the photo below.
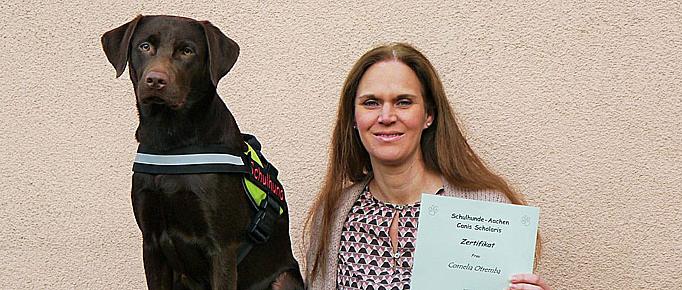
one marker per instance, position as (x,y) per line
(467,244)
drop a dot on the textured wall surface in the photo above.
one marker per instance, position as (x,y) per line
(577,104)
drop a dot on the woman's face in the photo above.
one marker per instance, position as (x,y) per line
(390,113)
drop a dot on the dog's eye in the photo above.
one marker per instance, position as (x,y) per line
(145,46)
(187,51)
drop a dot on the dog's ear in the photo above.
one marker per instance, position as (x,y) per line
(222,52)
(116,44)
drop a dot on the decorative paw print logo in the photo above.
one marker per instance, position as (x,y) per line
(433,210)
(525,220)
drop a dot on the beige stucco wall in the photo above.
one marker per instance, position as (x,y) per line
(577,104)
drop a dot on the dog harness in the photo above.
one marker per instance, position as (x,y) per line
(259,179)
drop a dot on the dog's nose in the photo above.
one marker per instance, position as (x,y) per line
(156,80)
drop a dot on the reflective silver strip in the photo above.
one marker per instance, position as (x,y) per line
(188,159)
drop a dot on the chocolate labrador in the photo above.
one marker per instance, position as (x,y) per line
(197,226)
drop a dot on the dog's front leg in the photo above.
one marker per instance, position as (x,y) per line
(158,272)
(224,269)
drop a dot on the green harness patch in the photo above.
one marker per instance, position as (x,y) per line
(257,194)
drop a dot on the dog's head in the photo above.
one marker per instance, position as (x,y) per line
(173,60)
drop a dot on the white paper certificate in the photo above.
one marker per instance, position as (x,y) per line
(467,244)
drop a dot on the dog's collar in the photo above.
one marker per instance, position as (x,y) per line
(259,176)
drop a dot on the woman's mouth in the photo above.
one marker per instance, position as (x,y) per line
(389,136)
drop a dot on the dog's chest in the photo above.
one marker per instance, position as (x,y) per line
(173,202)
(169,189)
(172,185)
(189,202)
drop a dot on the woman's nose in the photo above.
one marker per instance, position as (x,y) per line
(387,115)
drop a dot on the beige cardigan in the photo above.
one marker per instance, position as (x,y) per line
(327,280)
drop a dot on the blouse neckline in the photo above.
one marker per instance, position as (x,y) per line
(370,196)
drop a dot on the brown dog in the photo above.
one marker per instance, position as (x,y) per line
(194,226)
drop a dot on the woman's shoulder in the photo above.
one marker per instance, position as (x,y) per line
(336,218)
(478,194)
(348,196)
(353,191)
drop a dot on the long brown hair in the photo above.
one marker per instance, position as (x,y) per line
(444,148)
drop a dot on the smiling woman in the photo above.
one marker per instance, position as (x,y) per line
(395,138)
(390,113)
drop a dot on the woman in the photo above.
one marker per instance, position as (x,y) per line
(395,138)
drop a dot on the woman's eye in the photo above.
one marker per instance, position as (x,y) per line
(145,46)
(404,102)
(187,51)
(370,103)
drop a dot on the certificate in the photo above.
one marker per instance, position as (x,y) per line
(467,244)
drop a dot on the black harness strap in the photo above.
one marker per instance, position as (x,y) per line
(260,179)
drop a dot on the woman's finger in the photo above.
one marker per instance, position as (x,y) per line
(529,278)
(524,286)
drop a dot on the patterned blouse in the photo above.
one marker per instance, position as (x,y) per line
(366,258)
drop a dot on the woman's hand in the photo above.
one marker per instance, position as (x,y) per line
(527,282)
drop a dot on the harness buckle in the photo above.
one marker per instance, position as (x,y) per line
(263,223)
